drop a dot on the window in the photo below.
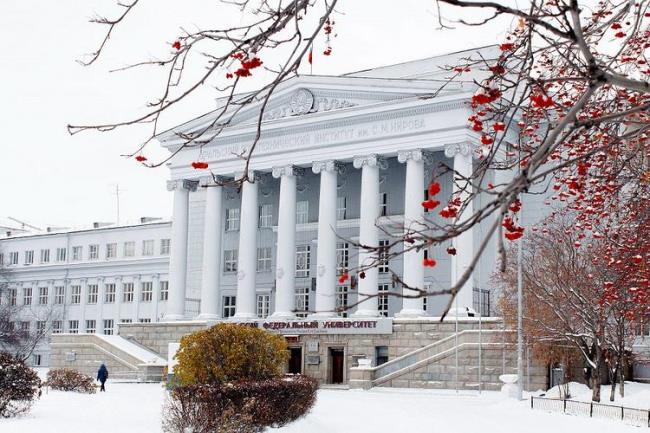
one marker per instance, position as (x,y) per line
(108,326)
(264,259)
(481,301)
(144,320)
(129,249)
(383,256)
(13,295)
(383,204)
(146,291)
(127,292)
(29,257)
(147,247)
(126,321)
(45,256)
(61,254)
(424,303)
(342,300)
(57,327)
(93,291)
(77,253)
(165,247)
(13,258)
(341,212)
(93,252)
(263,306)
(111,251)
(73,326)
(2,259)
(42,296)
(232,219)
(164,290)
(383,300)
(381,355)
(302,301)
(302,212)
(230,261)
(342,257)
(75,297)
(302,261)
(25,326)
(229,304)
(91,326)
(266,215)
(36,359)
(27,296)
(40,326)
(109,293)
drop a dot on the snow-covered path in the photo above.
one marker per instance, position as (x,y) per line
(136,408)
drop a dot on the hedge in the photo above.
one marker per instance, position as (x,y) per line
(66,379)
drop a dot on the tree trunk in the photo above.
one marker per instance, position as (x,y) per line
(595,386)
(614,379)
(621,372)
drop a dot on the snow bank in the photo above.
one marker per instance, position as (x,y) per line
(637,395)
(138,352)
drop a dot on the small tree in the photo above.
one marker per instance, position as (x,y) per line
(19,386)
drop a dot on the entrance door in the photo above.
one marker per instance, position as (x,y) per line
(337,361)
(295,360)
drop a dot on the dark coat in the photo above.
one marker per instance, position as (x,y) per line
(102,373)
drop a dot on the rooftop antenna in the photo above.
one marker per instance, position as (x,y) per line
(117,203)
(24,224)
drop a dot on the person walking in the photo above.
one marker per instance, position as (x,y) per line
(102,375)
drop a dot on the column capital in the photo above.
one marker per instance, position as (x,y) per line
(328,165)
(287,170)
(454,149)
(211,181)
(180,184)
(253,175)
(371,160)
(415,155)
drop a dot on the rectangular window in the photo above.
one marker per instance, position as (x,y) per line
(75,297)
(61,254)
(109,293)
(93,252)
(266,216)
(93,291)
(40,326)
(108,326)
(129,249)
(42,296)
(111,250)
(232,219)
(13,295)
(25,326)
(264,259)
(263,306)
(302,301)
(27,296)
(127,292)
(342,257)
(126,321)
(481,301)
(302,261)
(73,326)
(230,261)
(91,326)
(36,359)
(424,303)
(59,295)
(302,212)
(144,320)
(146,291)
(341,210)
(165,247)
(381,355)
(383,256)
(45,256)
(229,305)
(147,247)
(29,257)
(383,204)
(57,327)
(13,258)
(383,300)
(342,300)
(2,259)
(164,290)
(77,253)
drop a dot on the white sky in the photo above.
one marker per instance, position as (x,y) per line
(50,178)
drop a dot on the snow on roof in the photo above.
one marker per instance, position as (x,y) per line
(10,233)
(136,351)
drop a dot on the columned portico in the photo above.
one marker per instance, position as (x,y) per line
(285,275)
(247,263)
(413,223)
(211,249)
(178,253)
(368,233)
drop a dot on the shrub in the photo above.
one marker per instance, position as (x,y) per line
(246,407)
(66,379)
(19,386)
(229,352)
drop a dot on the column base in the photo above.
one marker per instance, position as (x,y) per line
(283,315)
(239,317)
(365,313)
(411,313)
(462,312)
(323,315)
(207,316)
(173,317)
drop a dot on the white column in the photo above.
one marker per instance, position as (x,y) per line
(368,233)
(119,295)
(137,295)
(211,250)
(326,255)
(100,300)
(413,223)
(82,304)
(285,275)
(155,278)
(178,254)
(464,243)
(247,263)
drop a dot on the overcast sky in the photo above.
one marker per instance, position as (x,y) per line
(50,178)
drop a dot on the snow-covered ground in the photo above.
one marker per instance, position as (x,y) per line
(637,395)
(136,408)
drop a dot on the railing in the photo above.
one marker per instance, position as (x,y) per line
(637,417)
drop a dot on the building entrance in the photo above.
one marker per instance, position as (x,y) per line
(336,365)
(295,360)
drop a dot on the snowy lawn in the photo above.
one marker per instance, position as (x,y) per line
(136,408)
